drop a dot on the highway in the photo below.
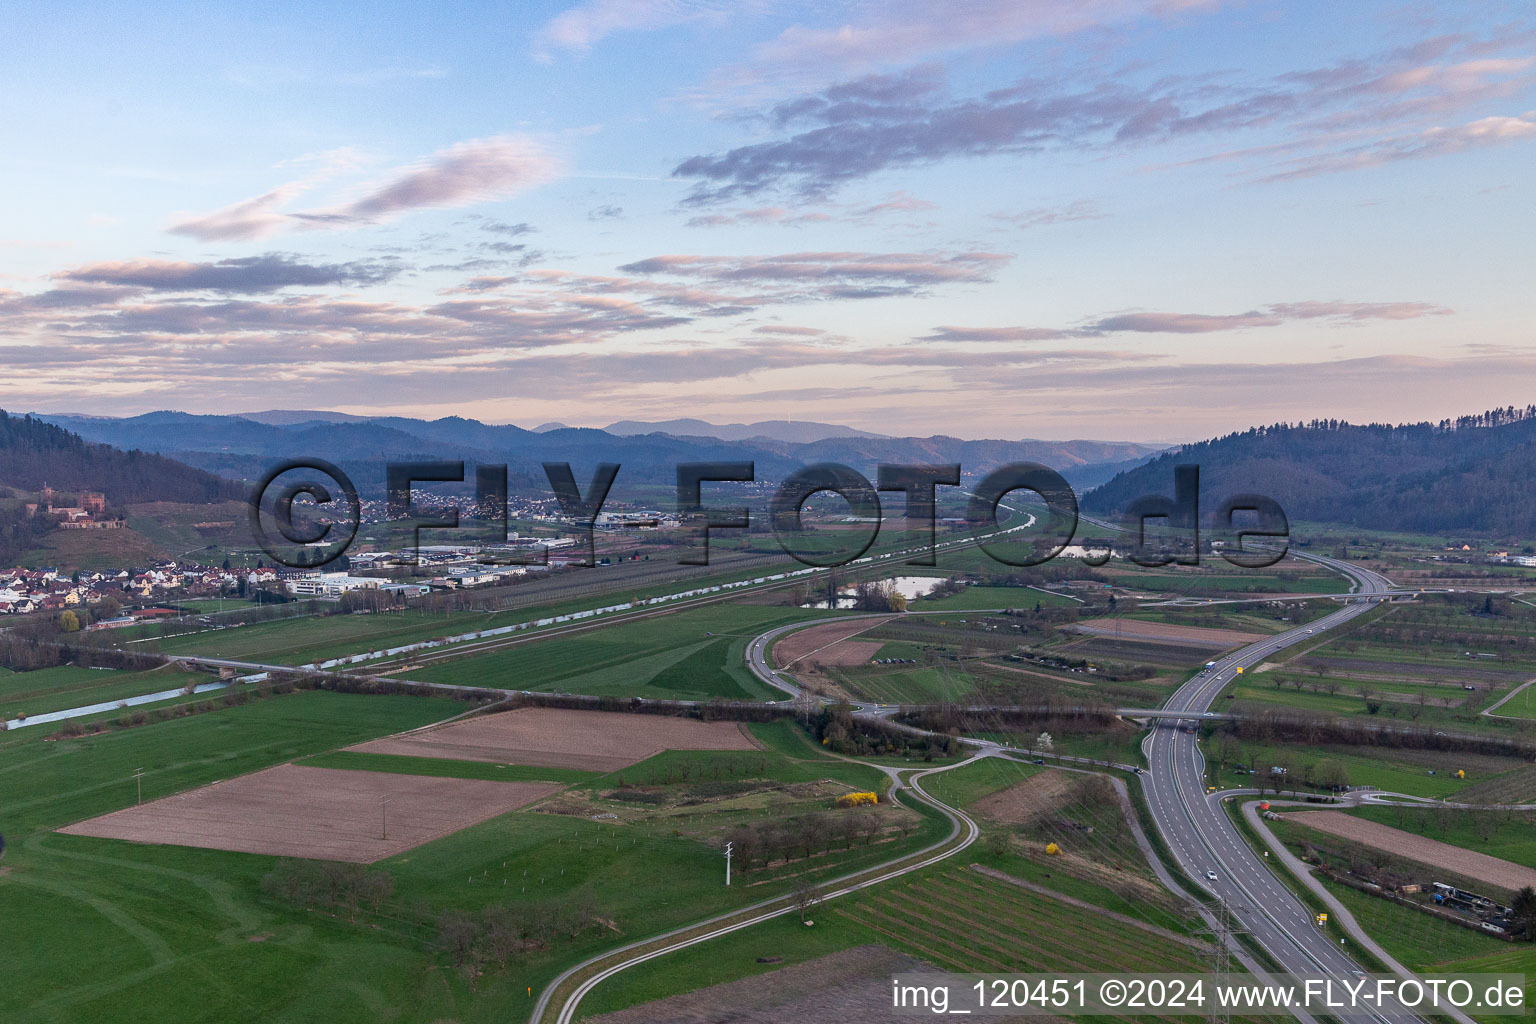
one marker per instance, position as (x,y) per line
(1205,842)
(1206,845)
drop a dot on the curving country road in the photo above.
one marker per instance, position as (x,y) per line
(963,832)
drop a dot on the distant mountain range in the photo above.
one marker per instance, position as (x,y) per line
(288,417)
(798,432)
(1476,473)
(801,432)
(245,446)
(1473,474)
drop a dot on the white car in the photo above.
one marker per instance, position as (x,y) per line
(1211,875)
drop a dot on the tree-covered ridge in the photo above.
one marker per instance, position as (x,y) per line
(33,453)
(1472,473)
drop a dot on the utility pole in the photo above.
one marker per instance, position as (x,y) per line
(1219,957)
(384,817)
(138,777)
(728,864)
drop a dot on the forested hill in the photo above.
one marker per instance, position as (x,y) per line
(1475,473)
(33,453)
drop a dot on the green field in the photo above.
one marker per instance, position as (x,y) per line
(1418,940)
(1520,707)
(1508,835)
(317,638)
(1398,771)
(963,786)
(697,653)
(1214,577)
(911,684)
(398,764)
(932,916)
(1519,959)
(52,783)
(68,686)
(783,941)
(188,934)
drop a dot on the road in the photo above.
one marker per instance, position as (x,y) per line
(1204,840)
(1492,709)
(963,832)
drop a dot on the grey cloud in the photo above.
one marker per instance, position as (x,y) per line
(1081,209)
(802,332)
(1182,323)
(502,227)
(831,274)
(468,172)
(1275,315)
(896,203)
(865,126)
(249,274)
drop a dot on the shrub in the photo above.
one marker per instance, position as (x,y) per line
(858,800)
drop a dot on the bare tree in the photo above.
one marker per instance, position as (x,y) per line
(456,934)
(805,896)
(375,887)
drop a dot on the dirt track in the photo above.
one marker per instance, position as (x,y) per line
(320,813)
(560,738)
(1414,847)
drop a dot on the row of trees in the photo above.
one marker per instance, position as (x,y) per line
(20,652)
(497,934)
(1271,727)
(878,596)
(1328,773)
(328,885)
(837,730)
(1048,714)
(758,845)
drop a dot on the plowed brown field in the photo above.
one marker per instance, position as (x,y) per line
(602,741)
(320,813)
(1426,851)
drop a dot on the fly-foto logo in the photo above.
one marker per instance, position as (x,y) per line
(1152,531)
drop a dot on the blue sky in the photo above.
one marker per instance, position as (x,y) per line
(1147,219)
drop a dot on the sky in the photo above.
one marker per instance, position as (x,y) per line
(1152,220)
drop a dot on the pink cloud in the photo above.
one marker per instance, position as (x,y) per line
(480,170)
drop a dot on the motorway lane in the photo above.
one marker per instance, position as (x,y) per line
(1203,839)
(1198,832)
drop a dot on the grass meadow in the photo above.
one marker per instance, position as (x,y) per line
(188,934)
